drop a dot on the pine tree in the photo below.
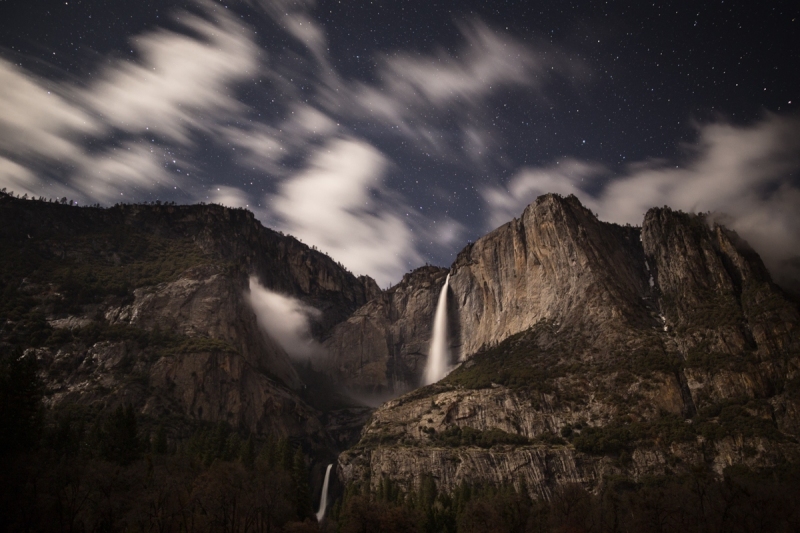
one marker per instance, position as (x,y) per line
(248,453)
(20,402)
(119,438)
(302,492)
(160,442)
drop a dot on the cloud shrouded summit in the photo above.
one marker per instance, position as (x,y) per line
(745,176)
(389,135)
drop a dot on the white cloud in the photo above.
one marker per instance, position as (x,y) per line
(743,172)
(491,59)
(488,61)
(335,204)
(39,125)
(422,95)
(38,119)
(446,232)
(181,81)
(229,196)
(309,33)
(264,147)
(286,320)
(17,179)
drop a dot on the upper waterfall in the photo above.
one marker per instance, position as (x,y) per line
(439,354)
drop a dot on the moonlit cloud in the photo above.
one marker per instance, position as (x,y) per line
(335,203)
(488,60)
(127,169)
(229,196)
(744,173)
(37,117)
(181,81)
(14,177)
(286,320)
(422,95)
(384,162)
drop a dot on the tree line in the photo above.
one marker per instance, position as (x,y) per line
(69,472)
(740,501)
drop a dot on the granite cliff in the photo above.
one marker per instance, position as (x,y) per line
(589,349)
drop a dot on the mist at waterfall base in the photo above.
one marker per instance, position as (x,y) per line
(323,500)
(438,363)
(286,320)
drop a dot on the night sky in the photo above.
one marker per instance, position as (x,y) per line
(391,133)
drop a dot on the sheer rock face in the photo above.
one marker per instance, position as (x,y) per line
(188,348)
(383,346)
(568,326)
(738,333)
(556,262)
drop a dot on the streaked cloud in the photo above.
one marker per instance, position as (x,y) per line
(321,155)
(338,203)
(426,96)
(39,118)
(487,61)
(181,82)
(229,196)
(127,169)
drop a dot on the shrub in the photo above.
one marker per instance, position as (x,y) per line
(455,436)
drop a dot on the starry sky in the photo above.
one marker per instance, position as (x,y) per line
(390,133)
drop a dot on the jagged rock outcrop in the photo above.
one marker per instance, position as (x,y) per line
(591,349)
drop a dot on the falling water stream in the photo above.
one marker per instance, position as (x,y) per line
(438,357)
(323,501)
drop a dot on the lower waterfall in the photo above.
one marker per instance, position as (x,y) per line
(323,501)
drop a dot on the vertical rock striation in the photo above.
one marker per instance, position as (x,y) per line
(556,262)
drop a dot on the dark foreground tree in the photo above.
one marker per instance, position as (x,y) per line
(20,402)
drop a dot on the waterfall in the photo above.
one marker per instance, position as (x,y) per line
(323,500)
(439,356)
